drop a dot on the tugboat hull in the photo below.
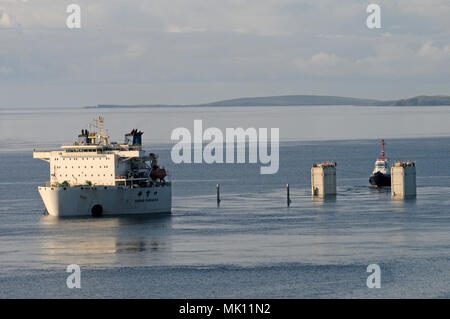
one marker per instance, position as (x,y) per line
(380,180)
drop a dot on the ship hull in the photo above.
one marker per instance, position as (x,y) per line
(380,180)
(104,201)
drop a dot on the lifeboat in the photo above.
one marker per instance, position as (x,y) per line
(158,173)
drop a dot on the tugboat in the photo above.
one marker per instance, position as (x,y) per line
(381,176)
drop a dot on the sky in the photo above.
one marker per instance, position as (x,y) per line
(198,51)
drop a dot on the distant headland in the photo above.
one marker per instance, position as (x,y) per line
(304,100)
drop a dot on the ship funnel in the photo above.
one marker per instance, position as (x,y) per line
(83,137)
(134,138)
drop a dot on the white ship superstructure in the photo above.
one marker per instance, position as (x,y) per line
(95,177)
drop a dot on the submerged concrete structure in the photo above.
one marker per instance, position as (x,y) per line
(403,180)
(323,179)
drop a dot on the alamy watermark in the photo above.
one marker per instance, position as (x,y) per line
(374,279)
(74,279)
(373,21)
(74,19)
(234,142)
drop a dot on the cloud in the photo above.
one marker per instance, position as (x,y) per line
(211,49)
(177,29)
(134,51)
(391,59)
(5,20)
(324,64)
(5,70)
(434,52)
(429,8)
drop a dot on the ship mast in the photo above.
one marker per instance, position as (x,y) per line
(102,134)
(383,157)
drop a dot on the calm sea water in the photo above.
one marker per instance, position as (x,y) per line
(253,246)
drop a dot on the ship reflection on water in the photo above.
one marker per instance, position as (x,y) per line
(105,241)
